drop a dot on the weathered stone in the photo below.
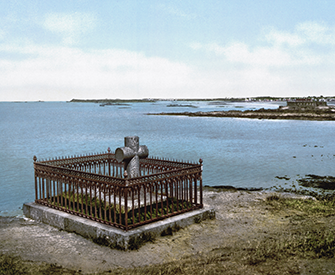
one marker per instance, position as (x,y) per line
(131,155)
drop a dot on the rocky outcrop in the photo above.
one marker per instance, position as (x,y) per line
(327,114)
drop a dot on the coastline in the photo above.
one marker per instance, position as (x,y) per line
(321,115)
(245,220)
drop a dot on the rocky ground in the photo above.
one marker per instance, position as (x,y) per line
(327,114)
(253,233)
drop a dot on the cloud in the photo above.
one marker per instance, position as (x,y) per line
(281,38)
(300,62)
(282,64)
(69,25)
(305,33)
(60,73)
(304,46)
(317,33)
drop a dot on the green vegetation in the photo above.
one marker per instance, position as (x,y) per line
(325,206)
(97,208)
(306,235)
(310,244)
(307,241)
(10,265)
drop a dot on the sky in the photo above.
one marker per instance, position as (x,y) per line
(57,50)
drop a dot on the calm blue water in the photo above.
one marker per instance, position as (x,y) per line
(237,152)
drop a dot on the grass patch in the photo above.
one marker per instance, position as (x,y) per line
(94,207)
(308,244)
(324,206)
(10,265)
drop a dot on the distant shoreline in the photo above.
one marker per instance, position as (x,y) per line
(267,99)
(321,115)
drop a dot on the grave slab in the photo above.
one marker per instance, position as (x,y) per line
(109,235)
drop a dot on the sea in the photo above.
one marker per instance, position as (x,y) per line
(243,153)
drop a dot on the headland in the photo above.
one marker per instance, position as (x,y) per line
(280,113)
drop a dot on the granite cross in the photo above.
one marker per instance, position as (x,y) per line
(131,154)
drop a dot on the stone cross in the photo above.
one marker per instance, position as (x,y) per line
(131,154)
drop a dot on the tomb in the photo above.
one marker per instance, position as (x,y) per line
(118,197)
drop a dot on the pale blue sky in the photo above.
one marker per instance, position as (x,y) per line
(59,50)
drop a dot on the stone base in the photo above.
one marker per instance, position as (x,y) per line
(109,235)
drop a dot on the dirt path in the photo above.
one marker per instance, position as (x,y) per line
(242,219)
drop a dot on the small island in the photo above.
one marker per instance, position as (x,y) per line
(302,109)
(182,105)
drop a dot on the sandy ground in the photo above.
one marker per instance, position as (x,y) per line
(242,217)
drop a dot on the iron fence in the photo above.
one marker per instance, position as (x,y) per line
(97,187)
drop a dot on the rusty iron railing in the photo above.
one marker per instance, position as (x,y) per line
(96,187)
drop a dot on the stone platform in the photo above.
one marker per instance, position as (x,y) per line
(109,235)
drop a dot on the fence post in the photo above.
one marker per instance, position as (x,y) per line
(125,200)
(201,161)
(36,193)
(109,162)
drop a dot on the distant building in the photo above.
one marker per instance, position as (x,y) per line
(305,104)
